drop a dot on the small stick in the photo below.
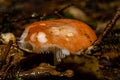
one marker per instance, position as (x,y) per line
(5,53)
(58,13)
(96,45)
(109,27)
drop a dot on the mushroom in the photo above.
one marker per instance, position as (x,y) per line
(67,35)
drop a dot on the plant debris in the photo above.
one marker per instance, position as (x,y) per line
(101,61)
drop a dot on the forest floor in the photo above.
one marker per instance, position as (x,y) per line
(103,65)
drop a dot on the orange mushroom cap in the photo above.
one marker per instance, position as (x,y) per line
(69,34)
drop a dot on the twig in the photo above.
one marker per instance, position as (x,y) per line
(96,45)
(33,74)
(5,54)
(109,27)
(59,12)
(7,68)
